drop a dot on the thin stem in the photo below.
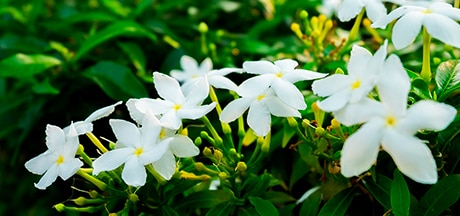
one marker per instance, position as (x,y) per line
(100,184)
(155,174)
(355,29)
(215,135)
(96,142)
(426,67)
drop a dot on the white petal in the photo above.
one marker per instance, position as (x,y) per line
(235,109)
(259,118)
(183,146)
(279,108)
(206,65)
(395,14)
(376,62)
(286,65)
(150,129)
(198,91)
(41,163)
(361,92)
(156,106)
(349,9)
(112,160)
(136,114)
(222,83)
(102,112)
(69,167)
(166,166)
(188,63)
(171,120)
(406,29)
(168,88)
(155,151)
(289,93)
(224,71)
(427,115)
(47,179)
(335,102)
(134,173)
(81,127)
(179,75)
(255,86)
(360,150)
(195,112)
(446,10)
(360,112)
(375,10)
(260,67)
(126,132)
(394,85)
(54,137)
(412,157)
(331,84)
(301,74)
(359,59)
(443,28)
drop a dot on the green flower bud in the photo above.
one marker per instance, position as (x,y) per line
(59,207)
(241,166)
(202,27)
(133,197)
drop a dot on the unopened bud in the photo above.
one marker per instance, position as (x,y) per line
(80,201)
(292,121)
(198,141)
(303,14)
(207,152)
(218,155)
(335,123)
(223,175)
(241,166)
(93,194)
(133,197)
(200,166)
(202,27)
(320,132)
(59,207)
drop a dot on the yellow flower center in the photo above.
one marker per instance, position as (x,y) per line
(177,107)
(427,11)
(260,97)
(162,133)
(356,84)
(138,151)
(391,121)
(279,74)
(60,160)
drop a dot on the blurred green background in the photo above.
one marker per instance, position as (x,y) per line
(62,59)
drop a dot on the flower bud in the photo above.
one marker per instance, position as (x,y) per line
(202,27)
(292,121)
(133,197)
(303,14)
(320,132)
(59,207)
(207,152)
(218,155)
(223,175)
(80,201)
(241,166)
(93,194)
(198,141)
(200,166)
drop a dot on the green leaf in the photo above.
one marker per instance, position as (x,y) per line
(168,211)
(117,81)
(298,171)
(277,197)
(116,7)
(447,78)
(45,87)
(339,204)
(311,205)
(380,190)
(21,65)
(221,209)
(263,207)
(204,199)
(254,47)
(420,88)
(125,28)
(441,195)
(15,13)
(134,52)
(400,196)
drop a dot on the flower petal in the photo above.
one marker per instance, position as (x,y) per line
(301,74)
(359,59)
(289,93)
(166,166)
(335,102)
(259,118)
(81,127)
(39,164)
(278,108)
(412,157)
(168,88)
(445,9)
(171,120)
(406,29)
(395,14)
(69,167)
(112,160)
(331,84)
(183,146)
(54,137)
(150,129)
(427,115)
(360,150)
(260,67)
(375,10)
(134,173)
(255,86)
(126,132)
(47,179)
(286,65)
(198,91)
(188,64)
(102,112)
(443,28)
(235,109)
(155,151)
(349,9)
(195,112)
(206,65)
(360,112)
(222,83)
(156,106)
(136,114)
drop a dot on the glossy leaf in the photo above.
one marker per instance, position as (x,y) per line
(400,196)
(117,81)
(204,199)
(277,197)
(263,207)
(311,205)
(22,65)
(447,78)
(135,54)
(380,190)
(339,204)
(126,28)
(441,195)
(221,209)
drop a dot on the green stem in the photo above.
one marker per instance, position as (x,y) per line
(426,68)
(100,184)
(355,29)
(155,174)
(84,156)
(96,142)
(457,3)
(215,135)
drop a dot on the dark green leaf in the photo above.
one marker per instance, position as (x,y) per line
(277,197)
(127,28)
(168,211)
(311,205)
(21,65)
(447,78)
(204,199)
(441,195)
(117,81)
(400,196)
(299,170)
(45,87)
(264,207)
(339,204)
(221,209)
(380,190)
(92,16)
(116,7)
(134,52)
(254,47)
(15,13)
(420,88)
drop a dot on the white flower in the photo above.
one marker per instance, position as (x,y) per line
(392,128)
(438,18)
(135,148)
(349,9)
(180,146)
(329,7)
(86,126)
(280,76)
(175,105)
(192,73)
(342,90)
(59,159)
(261,106)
